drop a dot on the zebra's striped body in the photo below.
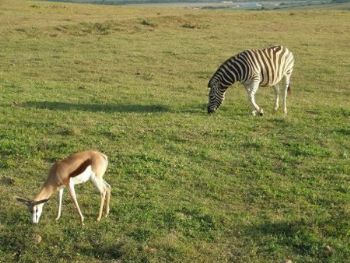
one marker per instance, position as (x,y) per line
(253,68)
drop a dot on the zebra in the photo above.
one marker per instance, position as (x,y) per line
(253,68)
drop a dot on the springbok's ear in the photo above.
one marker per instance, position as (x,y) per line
(27,202)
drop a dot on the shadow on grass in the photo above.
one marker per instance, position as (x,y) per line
(104,252)
(300,236)
(192,109)
(201,109)
(122,108)
(65,106)
(343,131)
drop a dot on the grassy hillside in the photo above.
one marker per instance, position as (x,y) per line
(187,187)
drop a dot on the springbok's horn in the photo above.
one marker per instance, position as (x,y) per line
(24,200)
(40,202)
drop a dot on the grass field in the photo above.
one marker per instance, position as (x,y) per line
(187,187)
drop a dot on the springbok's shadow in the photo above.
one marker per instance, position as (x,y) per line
(65,106)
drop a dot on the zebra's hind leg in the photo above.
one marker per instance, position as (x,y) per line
(252,88)
(287,83)
(277,94)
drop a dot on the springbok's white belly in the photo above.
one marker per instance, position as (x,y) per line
(83,177)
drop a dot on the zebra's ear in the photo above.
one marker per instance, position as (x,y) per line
(211,83)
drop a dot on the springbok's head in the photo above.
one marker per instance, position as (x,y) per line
(216,95)
(34,207)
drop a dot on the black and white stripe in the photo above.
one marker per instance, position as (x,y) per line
(253,68)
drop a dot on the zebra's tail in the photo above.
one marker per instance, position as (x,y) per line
(289,89)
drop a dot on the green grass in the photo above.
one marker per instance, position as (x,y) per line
(187,187)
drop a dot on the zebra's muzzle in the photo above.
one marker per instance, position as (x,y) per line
(210,110)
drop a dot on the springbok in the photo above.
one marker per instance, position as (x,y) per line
(77,168)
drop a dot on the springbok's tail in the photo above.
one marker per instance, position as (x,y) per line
(105,156)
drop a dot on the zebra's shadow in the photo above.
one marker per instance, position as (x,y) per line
(94,107)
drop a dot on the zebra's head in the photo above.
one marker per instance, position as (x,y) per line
(216,95)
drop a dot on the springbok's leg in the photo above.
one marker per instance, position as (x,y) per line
(103,197)
(74,197)
(287,83)
(109,189)
(101,187)
(252,88)
(60,196)
(277,94)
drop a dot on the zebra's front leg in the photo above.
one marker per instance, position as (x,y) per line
(277,94)
(252,88)
(287,86)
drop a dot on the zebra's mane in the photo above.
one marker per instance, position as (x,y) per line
(216,77)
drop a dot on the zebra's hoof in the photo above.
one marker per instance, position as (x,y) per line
(259,112)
